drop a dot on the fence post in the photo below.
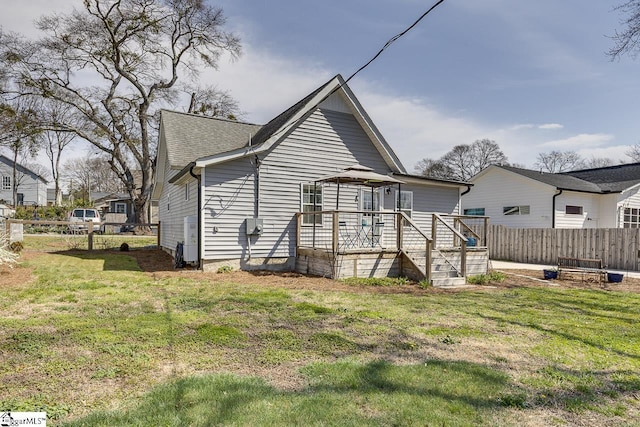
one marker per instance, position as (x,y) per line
(90,235)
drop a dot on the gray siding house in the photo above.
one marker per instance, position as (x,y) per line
(240,194)
(31,187)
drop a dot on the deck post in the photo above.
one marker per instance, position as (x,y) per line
(434,228)
(334,234)
(427,269)
(463,259)
(399,229)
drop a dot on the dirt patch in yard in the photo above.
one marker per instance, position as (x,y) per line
(160,264)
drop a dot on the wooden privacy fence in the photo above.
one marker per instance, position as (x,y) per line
(618,248)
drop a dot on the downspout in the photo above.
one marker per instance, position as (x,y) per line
(197,177)
(466,191)
(553,208)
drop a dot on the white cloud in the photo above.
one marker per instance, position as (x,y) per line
(579,142)
(550,126)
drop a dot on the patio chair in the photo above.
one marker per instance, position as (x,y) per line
(348,240)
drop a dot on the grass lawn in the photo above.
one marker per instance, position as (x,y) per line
(93,340)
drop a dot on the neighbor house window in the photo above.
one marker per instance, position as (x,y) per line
(573,210)
(474,211)
(631,218)
(311,198)
(6,183)
(515,210)
(121,208)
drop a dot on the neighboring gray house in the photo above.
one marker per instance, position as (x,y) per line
(234,192)
(31,187)
(606,197)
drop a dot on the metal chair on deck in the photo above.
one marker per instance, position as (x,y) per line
(348,240)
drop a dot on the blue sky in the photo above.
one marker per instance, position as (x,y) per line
(533,76)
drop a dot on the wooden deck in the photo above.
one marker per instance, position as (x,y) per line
(389,244)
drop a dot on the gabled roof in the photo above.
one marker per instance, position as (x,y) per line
(21,169)
(612,179)
(235,140)
(191,136)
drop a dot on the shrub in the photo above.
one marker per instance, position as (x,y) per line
(483,279)
(225,269)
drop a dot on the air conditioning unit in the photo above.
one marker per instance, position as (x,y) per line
(190,246)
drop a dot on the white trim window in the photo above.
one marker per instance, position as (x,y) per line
(631,218)
(120,208)
(311,197)
(406,202)
(6,183)
(516,210)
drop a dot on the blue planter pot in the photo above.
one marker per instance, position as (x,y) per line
(614,277)
(550,274)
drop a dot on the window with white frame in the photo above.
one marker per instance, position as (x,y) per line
(516,210)
(370,201)
(631,218)
(6,183)
(121,208)
(406,202)
(311,199)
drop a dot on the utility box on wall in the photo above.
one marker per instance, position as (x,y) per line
(190,247)
(254,226)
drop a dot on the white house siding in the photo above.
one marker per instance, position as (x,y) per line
(33,189)
(173,207)
(626,199)
(499,188)
(590,204)
(325,143)
(228,199)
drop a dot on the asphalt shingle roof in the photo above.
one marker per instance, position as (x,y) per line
(190,136)
(599,180)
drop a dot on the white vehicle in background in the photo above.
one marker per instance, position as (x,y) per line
(79,218)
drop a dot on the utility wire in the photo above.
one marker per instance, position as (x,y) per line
(385,47)
(394,39)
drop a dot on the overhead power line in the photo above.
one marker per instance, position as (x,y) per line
(385,47)
(394,39)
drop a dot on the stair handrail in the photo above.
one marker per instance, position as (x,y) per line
(463,242)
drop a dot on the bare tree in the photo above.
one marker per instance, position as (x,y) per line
(464,161)
(433,169)
(212,102)
(20,133)
(627,41)
(133,52)
(90,174)
(597,162)
(634,152)
(56,139)
(558,161)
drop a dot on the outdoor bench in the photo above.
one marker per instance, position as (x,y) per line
(582,265)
